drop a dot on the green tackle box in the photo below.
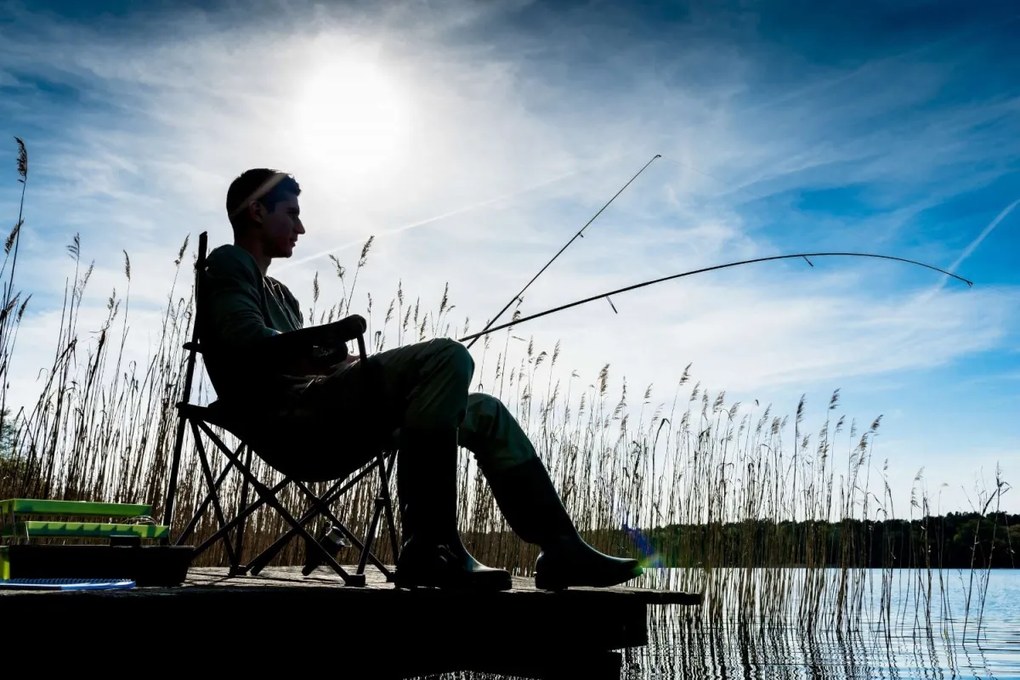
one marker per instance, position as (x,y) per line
(81,539)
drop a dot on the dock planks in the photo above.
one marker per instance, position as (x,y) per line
(247,621)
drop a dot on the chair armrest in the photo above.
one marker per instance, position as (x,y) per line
(327,335)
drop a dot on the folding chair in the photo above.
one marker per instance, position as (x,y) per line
(322,550)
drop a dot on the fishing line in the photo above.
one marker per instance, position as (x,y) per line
(579,234)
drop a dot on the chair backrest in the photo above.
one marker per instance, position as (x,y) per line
(191,348)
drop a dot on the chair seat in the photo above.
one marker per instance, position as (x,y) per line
(216,413)
(275,443)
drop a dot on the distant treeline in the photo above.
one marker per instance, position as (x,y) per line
(956,540)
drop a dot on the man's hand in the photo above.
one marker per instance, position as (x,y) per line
(315,350)
(349,361)
(319,364)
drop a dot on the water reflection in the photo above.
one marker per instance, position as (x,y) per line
(895,629)
(789,623)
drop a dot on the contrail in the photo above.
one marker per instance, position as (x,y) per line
(981,237)
(436,218)
(969,250)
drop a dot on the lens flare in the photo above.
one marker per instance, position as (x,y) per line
(650,557)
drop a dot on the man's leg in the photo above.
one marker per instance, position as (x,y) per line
(424,388)
(423,393)
(530,503)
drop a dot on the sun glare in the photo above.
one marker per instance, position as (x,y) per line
(351,117)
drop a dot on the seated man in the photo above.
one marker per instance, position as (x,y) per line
(298,398)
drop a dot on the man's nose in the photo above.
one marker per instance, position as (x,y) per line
(299,227)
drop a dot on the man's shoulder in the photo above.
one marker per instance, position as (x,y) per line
(231,259)
(287,294)
(279,284)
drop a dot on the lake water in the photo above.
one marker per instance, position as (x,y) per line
(900,624)
(866,623)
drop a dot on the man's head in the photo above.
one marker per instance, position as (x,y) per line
(262,205)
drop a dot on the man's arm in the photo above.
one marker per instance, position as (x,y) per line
(236,323)
(316,350)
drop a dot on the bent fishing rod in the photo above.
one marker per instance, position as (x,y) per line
(804,256)
(579,234)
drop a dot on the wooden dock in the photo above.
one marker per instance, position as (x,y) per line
(245,623)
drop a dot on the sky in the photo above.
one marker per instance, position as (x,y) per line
(473,140)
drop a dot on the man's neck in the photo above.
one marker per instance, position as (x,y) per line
(254,249)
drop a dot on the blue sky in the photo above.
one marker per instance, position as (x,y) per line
(474,139)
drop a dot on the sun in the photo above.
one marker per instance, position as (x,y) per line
(352,117)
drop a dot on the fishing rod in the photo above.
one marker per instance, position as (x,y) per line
(805,256)
(579,234)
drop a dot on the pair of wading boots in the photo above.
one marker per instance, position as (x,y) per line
(432,554)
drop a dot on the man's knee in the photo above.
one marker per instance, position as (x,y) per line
(455,357)
(488,413)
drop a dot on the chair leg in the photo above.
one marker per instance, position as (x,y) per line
(206,502)
(388,506)
(320,508)
(323,508)
(240,569)
(241,459)
(383,504)
(207,472)
(269,496)
(265,557)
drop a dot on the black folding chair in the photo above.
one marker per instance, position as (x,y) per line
(321,550)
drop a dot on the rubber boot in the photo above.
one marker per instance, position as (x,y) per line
(532,507)
(432,554)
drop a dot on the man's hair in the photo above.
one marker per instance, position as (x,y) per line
(245,188)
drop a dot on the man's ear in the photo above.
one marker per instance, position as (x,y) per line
(257,212)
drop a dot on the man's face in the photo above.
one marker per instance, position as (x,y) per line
(281,228)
